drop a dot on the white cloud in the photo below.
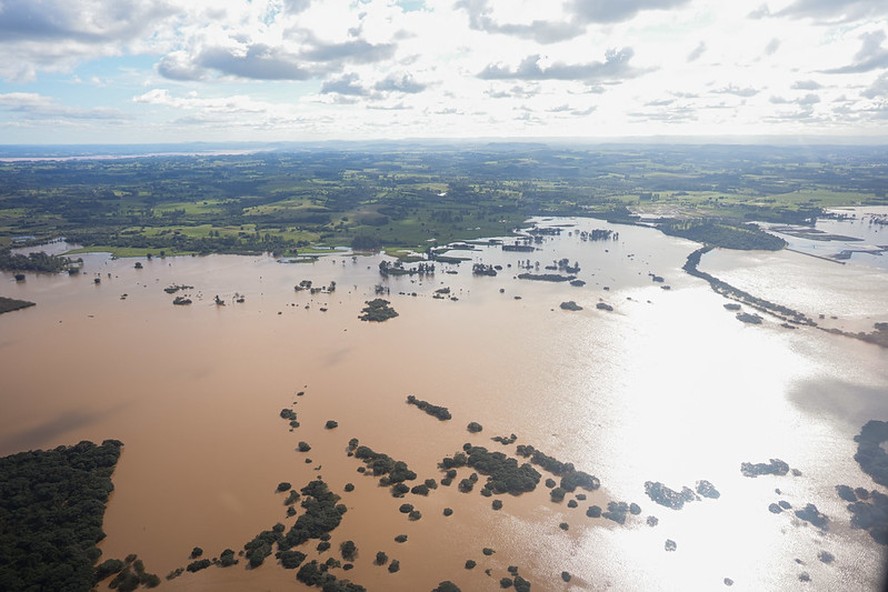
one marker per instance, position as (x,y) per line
(264,68)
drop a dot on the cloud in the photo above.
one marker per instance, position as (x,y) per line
(760,12)
(40,107)
(697,52)
(87,21)
(534,67)
(55,35)
(613,11)
(871,56)
(772,47)
(178,66)
(237,104)
(480,19)
(732,89)
(807,85)
(878,89)
(835,10)
(257,61)
(296,6)
(807,100)
(345,85)
(356,51)
(403,84)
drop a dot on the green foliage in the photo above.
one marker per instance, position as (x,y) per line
(51,508)
(11,304)
(377,310)
(317,574)
(205,563)
(39,261)
(504,475)
(349,550)
(227,558)
(132,575)
(447,586)
(322,515)
(391,472)
(870,454)
(729,236)
(434,410)
(280,202)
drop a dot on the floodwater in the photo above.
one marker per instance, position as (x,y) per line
(667,387)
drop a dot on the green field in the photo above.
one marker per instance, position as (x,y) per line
(287,203)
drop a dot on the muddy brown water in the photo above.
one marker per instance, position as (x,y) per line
(668,387)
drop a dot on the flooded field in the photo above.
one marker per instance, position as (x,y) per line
(667,387)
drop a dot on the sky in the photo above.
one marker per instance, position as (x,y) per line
(148,71)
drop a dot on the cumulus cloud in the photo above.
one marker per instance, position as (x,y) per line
(481,19)
(256,61)
(87,21)
(534,67)
(732,89)
(772,46)
(613,11)
(345,85)
(807,85)
(871,56)
(237,104)
(40,107)
(760,12)
(835,10)
(404,83)
(355,51)
(808,99)
(878,89)
(697,52)
(55,35)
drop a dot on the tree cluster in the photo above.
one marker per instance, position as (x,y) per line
(441,413)
(51,508)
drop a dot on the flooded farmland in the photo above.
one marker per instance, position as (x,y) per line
(661,385)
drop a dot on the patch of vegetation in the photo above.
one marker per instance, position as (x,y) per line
(317,574)
(504,474)
(434,410)
(38,262)
(377,310)
(391,472)
(11,304)
(571,478)
(322,515)
(132,575)
(774,467)
(870,455)
(51,508)
(728,236)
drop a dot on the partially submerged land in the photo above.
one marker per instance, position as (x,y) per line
(63,493)
(11,304)
(312,536)
(51,508)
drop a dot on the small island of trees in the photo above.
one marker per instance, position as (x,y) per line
(434,410)
(11,304)
(377,310)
